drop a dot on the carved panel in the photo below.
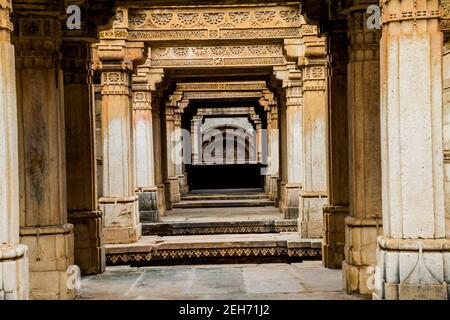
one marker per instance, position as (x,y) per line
(220,86)
(218,56)
(207,23)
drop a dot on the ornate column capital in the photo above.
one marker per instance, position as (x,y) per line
(37,39)
(414,11)
(118,54)
(5,21)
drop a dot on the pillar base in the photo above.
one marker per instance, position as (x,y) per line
(290,202)
(175,195)
(183,185)
(51,252)
(148,204)
(89,247)
(167,194)
(334,235)
(121,219)
(14,273)
(412,269)
(274,188)
(360,253)
(161,200)
(310,222)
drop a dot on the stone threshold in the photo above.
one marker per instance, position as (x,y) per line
(224,203)
(228,248)
(219,227)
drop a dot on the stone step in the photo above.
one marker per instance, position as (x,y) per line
(224,203)
(203,197)
(204,249)
(219,227)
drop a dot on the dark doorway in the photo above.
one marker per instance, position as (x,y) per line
(228,176)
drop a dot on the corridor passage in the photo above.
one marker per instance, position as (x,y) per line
(307,280)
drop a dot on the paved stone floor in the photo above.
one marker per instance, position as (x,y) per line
(222,214)
(307,280)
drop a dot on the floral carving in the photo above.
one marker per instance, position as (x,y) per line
(290,15)
(188,18)
(239,17)
(31,28)
(137,19)
(180,51)
(264,16)
(214,17)
(161,18)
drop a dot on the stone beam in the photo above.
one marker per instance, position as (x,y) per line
(206,23)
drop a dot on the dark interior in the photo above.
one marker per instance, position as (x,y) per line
(226,176)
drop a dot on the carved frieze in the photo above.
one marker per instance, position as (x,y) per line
(247,55)
(220,86)
(201,23)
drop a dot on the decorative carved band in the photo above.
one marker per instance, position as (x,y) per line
(222,95)
(413,11)
(221,86)
(217,51)
(169,254)
(213,18)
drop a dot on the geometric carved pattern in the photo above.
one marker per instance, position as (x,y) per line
(173,254)
(218,56)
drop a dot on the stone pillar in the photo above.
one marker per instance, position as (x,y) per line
(144,147)
(119,202)
(178,144)
(364,224)
(43,207)
(172,178)
(337,179)
(274,153)
(446,124)
(414,253)
(258,145)
(81,170)
(313,195)
(196,124)
(157,152)
(294,123)
(13,255)
(267,175)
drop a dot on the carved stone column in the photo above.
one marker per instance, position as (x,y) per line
(413,254)
(196,123)
(178,144)
(13,256)
(294,121)
(274,153)
(446,124)
(43,206)
(119,202)
(172,178)
(143,88)
(81,170)
(157,151)
(313,195)
(338,180)
(364,224)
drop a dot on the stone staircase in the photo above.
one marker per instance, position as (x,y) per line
(249,199)
(218,227)
(206,249)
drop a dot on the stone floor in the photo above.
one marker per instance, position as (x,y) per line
(222,214)
(307,280)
